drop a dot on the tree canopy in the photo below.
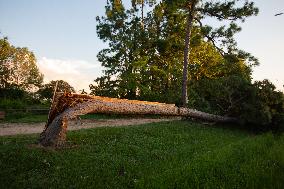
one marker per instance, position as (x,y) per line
(150,61)
(46,91)
(146,62)
(232,11)
(20,79)
(18,67)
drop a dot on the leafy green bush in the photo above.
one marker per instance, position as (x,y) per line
(267,104)
(220,96)
(15,97)
(258,104)
(12,93)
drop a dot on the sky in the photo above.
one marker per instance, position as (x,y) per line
(62,35)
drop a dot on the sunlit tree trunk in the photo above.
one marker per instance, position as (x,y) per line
(190,17)
(142,13)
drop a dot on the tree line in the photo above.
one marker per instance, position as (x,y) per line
(21,82)
(169,55)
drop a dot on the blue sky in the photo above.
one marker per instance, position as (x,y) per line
(62,34)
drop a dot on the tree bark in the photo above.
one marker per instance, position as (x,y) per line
(142,14)
(190,17)
(69,106)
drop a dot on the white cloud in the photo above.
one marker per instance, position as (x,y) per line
(78,73)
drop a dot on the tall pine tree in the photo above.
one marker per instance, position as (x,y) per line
(223,10)
(146,61)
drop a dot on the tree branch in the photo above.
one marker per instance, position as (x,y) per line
(221,51)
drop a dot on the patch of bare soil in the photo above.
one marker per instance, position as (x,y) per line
(30,128)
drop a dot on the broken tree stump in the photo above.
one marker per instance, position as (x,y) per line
(67,106)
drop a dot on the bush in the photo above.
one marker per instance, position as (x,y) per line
(16,98)
(220,95)
(12,93)
(258,104)
(270,103)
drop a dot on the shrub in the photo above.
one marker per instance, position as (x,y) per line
(221,95)
(258,104)
(12,93)
(16,98)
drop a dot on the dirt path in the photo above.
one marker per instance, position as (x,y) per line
(29,128)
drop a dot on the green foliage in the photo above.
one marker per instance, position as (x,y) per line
(176,154)
(24,117)
(18,67)
(46,91)
(12,93)
(219,95)
(8,103)
(265,106)
(145,62)
(137,2)
(19,76)
(258,104)
(229,13)
(16,98)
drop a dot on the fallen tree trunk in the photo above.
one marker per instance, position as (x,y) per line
(68,106)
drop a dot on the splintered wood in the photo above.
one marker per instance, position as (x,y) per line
(68,106)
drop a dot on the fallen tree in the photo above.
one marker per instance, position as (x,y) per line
(67,106)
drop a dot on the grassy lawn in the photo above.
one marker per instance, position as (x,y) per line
(177,154)
(24,118)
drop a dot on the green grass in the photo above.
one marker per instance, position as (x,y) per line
(24,118)
(176,154)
